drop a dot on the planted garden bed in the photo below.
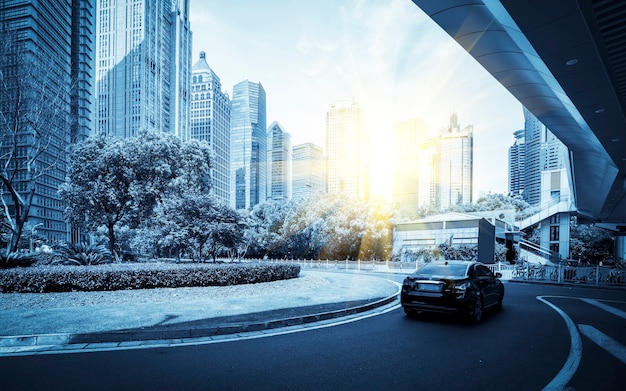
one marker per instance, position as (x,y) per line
(121,276)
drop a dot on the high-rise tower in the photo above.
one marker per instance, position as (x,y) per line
(453,165)
(279,163)
(411,165)
(210,121)
(544,152)
(248,145)
(46,68)
(517,156)
(143,57)
(347,150)
(309,175)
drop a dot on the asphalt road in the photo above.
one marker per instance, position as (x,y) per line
(524,347)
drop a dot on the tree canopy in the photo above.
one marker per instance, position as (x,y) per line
(118,182)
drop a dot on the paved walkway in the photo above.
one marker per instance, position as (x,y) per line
(25,331)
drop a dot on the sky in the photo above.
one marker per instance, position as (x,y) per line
(390,57)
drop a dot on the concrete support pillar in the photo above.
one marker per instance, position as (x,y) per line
(620,244)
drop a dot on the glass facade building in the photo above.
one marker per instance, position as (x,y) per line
(453,168)
(210,122)
(143,65)
(248,146)
(517,153)
(544,152)
(309,176)
(279,162)
(347,150)
(47,60)
(411,164)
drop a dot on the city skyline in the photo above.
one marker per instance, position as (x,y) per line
(393,60)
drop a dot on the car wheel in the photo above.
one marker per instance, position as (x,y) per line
(476,314)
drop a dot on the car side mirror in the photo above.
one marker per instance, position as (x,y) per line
(498,275)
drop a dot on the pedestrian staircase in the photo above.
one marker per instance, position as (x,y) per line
(533,253)
(541,212)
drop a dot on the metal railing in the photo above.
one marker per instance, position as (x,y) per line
(593,275)
(562,273)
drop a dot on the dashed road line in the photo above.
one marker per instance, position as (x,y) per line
(604,341)
(605,307)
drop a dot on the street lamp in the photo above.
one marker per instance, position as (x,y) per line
(32,233)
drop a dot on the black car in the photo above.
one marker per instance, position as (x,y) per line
(466,288)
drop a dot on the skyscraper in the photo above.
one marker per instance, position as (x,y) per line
(210,121)
(411,165)
(308,171)
(143,57)
(279,162)
(347,150)
(248,145)
(46,68)
(180,68)
(454,161)
(517,155)
(83,68)
(544,152)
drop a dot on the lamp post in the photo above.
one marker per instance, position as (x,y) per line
(32,233)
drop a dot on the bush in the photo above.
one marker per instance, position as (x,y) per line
(83,254)
(17,260)
(62,278)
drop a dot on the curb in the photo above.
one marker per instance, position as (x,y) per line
(77,341)
(567,284)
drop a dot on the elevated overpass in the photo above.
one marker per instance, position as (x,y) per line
(565,61)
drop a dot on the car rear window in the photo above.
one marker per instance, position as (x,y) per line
(456,270)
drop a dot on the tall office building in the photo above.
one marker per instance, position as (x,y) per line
(453,165)
(83,68)
(143,65)
(347,150)
(309,175)
(180,68)
(248,146)
(411,165)
(279,163)
(517,153)
(46,59)
(210,122)
(544,152)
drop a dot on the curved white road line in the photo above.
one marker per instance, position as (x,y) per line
(576,349)
(137,345)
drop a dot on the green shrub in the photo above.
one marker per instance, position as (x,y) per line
(17,260)
(83,254)
(63,278)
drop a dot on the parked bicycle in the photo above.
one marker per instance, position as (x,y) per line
(537,273)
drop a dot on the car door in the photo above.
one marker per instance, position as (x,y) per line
(488,284)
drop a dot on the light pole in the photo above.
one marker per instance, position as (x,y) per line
(32,233)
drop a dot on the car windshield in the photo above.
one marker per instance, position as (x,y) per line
(456,270)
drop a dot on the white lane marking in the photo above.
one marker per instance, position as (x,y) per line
(575,352)
(605,307)
(604,341)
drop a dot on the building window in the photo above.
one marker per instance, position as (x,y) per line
(554,247)
(554,233)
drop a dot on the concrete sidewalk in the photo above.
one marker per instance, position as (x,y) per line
(57,329)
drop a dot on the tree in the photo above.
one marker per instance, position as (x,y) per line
(34,129)
(493,201)
(118,182)
(591,243)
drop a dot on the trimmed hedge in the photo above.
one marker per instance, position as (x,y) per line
(49,278)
